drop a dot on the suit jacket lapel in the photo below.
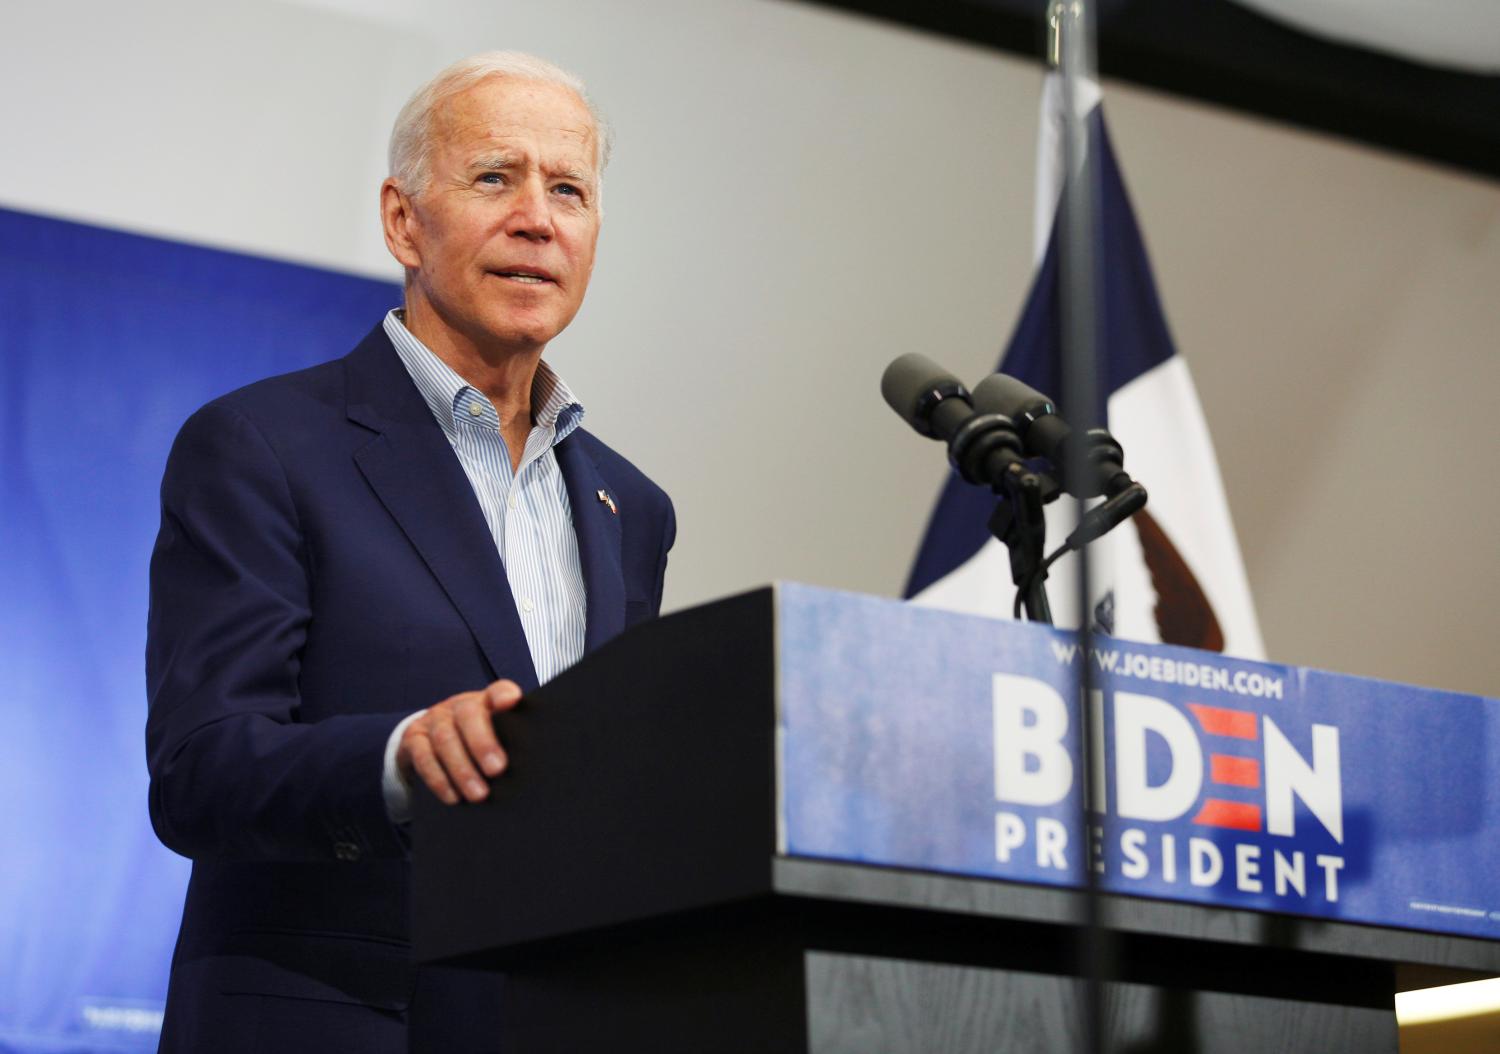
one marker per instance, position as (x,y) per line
(416,475)
(597,526)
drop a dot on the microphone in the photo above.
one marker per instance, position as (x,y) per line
(983,447)
(920,390)
(1044,433)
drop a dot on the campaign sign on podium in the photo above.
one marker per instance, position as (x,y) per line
(937,741)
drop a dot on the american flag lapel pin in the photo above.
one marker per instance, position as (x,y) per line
(604,497)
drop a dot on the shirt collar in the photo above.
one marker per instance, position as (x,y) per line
(553,405)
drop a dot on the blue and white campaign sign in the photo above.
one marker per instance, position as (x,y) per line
(938,741)
(108,341)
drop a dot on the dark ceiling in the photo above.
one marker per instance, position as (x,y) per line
(1220,53)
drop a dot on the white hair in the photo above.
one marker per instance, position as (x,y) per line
(411,136)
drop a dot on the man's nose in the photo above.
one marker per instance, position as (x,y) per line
(529,216)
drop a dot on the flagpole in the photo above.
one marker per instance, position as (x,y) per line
(1071,51)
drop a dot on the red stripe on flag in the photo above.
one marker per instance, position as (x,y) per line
(1236,772)
(1219,813)
(1220,721)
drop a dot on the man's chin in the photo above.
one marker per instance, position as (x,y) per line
(520,334)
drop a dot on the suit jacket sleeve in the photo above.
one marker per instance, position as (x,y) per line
(668,536)
(235,771)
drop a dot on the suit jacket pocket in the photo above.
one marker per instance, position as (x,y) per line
(339,968)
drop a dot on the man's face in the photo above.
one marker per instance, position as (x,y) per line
(500,244)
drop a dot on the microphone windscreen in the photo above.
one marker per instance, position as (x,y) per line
(1002,394)
(908,382)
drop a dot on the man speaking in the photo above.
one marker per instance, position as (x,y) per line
(359,563)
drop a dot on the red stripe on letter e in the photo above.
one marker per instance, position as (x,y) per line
(1219,813)
(1221,721)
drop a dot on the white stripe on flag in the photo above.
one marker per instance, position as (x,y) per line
(1160,424)
(1049,155)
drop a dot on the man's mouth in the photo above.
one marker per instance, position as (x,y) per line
(525,276)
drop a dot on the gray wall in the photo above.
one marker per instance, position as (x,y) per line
(797,196)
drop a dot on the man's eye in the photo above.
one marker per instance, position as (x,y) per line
(492,178)
(568,188)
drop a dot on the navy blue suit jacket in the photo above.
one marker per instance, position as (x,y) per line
(323,569)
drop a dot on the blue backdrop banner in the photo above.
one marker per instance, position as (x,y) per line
(930,740)
(107,342)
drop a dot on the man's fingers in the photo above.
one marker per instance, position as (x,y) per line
(478,732)
(502,695)
(444,746)
(426,765)
(454,756)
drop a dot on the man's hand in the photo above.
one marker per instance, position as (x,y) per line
(451,742)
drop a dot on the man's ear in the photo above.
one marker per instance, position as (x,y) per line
(398,222)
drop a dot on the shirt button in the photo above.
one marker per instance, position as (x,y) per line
(510,502)
(527,605)
(475,409)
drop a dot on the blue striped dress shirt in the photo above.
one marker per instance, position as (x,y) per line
(528,512)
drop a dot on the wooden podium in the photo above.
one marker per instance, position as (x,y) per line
(625,880)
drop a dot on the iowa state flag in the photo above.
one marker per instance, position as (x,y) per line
(1172,574)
